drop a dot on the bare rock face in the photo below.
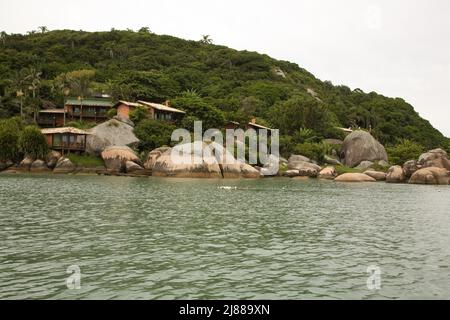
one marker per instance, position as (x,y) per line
(197,164)
(354,177)
(64,165)
(110,133)
(291,173)
(434,158)
(409,167)
(116,157)
(25,164)
(360,146)
(364,165)
(327,173)
(297,157)
(39,166)
(52,159)
(132,167)
(377,175)
(395,174)
(303,165)
(430,175)
(153,155)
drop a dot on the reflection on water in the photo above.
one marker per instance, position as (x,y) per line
(137,238)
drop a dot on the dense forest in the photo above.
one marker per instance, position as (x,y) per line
(212,82)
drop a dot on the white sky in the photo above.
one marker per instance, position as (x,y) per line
(399,48)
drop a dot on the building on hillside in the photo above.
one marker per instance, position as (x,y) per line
(51,118)
(66,139)
(75,109)
(125,107)
(88,109)
(163,111)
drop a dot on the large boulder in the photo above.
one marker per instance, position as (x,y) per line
(52,159)
(327,173)
(297,157)
(25,164)
(132,167)
(39,166)
(377,175)
(110,133)
(354,177)
(430,175)
(409,167)
(271,167)
(153,155)
(291,173)
(116,157)
(359,146)
(302,165)
(364,165)
(195,162)
(64,165)
(395,174)
(434,158)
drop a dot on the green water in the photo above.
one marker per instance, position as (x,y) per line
(149,238)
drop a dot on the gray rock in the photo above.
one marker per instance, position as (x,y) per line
(409,167)
(132,167)
(296,157)
(116,157)
(395,174)
(25,164)
(300,165)
(64,165)
(377,175)
(327,173)
(364,165)
(354,177)
(39,166)
(291,173)
(430,175)
(153,156)
(110,133)
(434,158)
(359,146)
(52,159)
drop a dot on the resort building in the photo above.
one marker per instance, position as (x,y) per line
(75,109)
(66,139)
(156,111)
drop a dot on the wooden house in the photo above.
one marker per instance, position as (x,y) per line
(162,111)
(88,109)
(66,139)
(51,118)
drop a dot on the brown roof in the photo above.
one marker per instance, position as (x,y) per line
(128,103)
(258,126)
(160,107)
(64,130)
(60,110)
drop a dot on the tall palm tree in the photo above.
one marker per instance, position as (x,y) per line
(18,84)
(3,36)
(33,80)
(206,39)
(43,29)
(80,84)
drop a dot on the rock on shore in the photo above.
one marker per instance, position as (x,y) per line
(354,177)
(361,146)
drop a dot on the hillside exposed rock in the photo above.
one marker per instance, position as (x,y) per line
(110,133)
(360,146)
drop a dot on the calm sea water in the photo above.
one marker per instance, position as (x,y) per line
(150,238)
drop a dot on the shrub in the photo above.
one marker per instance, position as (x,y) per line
(85,160)
(153,133)
(111,113)
(138,114)
(404,151)
(9,138)
(314,151)
(33,143)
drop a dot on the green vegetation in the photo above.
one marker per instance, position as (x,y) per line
(153,134)
(81,124)
(404,151)
(344,169)
(212,83)
(85,160)
(9,139)
(32,143)
(139,114)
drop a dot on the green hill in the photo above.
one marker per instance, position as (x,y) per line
(229,84)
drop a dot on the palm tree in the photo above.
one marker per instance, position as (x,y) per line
(33,80)
(3,36)
(43,29)
(80,84)
(18,83)
(206,39)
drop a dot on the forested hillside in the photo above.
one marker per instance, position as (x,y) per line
(218,83)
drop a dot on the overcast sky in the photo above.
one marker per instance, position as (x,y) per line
(399,48)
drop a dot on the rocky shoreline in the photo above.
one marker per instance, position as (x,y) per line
(360,151)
